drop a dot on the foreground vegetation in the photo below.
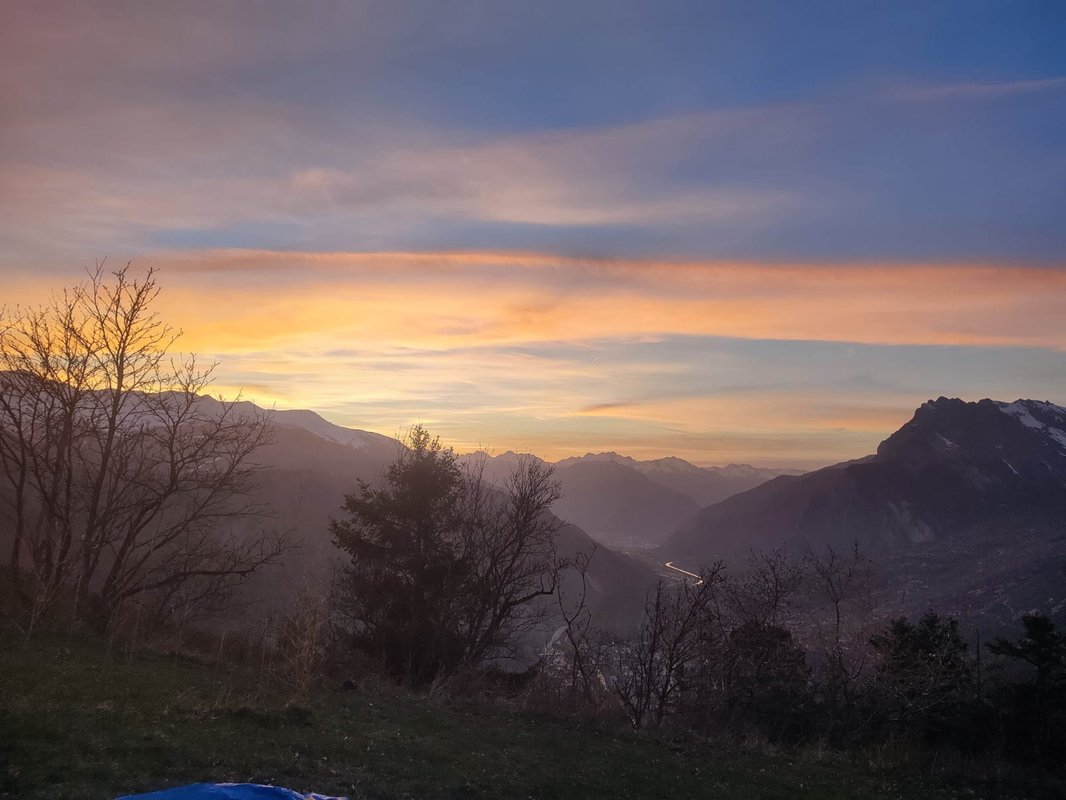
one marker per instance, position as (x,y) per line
(77,721)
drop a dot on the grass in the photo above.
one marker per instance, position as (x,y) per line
(76,722)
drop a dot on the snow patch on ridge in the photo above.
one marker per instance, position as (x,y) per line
(1022,410)
(947,442)
(324,429)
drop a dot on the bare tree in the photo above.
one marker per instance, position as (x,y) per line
(842,587)
(509,538)
(765,593)
(747,668)
(579,653)
(657,667)
(119,482)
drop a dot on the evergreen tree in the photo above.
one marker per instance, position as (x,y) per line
(444,569)
(1035,711)
(925,677)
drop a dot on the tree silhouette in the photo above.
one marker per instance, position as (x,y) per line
(119,483)
(924,674)
(1038,708)
(444,570)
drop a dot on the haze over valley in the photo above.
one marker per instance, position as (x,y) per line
(961,509)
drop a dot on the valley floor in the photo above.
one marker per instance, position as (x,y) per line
(78,722)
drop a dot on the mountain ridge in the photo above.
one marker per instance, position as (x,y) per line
(624,502)
(962,492)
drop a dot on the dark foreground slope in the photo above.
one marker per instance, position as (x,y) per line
(77,723)
(964,508)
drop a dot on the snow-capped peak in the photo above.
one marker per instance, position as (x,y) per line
(597,458)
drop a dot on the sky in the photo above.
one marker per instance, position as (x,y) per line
(757,232)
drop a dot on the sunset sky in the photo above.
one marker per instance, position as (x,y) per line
(729,231)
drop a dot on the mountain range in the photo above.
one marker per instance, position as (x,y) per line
(961,510)
(630,504)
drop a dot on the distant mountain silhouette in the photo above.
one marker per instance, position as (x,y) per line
(623,502)
(705,485)
(618,505)
(964,506)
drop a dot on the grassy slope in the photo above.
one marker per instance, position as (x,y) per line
(76,723)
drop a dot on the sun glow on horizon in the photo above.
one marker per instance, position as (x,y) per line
(561,356)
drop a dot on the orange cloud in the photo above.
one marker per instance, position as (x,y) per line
(248,300)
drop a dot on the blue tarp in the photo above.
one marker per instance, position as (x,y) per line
(227,791)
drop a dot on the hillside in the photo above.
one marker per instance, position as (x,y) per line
(77,723)
(963,507)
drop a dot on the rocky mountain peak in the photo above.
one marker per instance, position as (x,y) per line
(1005,439)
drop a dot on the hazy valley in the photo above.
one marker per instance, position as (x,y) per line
(961,510)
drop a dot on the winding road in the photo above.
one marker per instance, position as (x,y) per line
(670,565)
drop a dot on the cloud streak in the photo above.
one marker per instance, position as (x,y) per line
(451,299)
(990,90)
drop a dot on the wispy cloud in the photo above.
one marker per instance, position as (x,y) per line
(138,173)
(157,162)
(989,90)
(601,176)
